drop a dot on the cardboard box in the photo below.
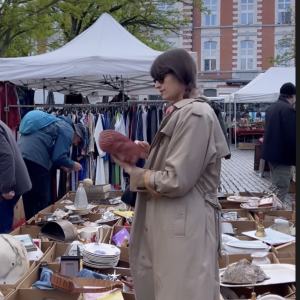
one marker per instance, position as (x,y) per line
(56,251)
(246,146)
(240,227)
(17,212)
(292,188)
(289,247)
(285,258)
(34,275)
(229,205)
(25,229)
(7,287)
(242,212)
(278,289)
(288,215)
(25,294)
(234,258)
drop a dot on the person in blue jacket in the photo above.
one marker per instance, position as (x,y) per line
(43,148)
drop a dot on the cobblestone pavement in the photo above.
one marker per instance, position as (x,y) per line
(238,175)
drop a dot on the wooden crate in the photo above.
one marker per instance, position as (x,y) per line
(246,146)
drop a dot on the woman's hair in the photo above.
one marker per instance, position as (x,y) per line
(179,63)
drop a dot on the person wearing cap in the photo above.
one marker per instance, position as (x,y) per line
(279,145)
(46,148)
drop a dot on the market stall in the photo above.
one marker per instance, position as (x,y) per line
(262,89)
(79,250)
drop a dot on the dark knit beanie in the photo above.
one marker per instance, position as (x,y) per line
(288,89)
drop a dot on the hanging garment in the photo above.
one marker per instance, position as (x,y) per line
(144,117)
(100,175)
(7,89)
(50,98)
(26,97)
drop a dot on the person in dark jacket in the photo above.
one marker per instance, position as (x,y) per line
(47,147)
(14,178)
(279,145)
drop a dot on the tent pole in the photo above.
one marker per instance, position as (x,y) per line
(6,107)
(44,100)
(235,124)
(230,124)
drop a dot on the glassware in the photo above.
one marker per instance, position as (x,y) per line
(81,201)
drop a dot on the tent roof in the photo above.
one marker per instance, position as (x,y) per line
(265,87)
(89,63)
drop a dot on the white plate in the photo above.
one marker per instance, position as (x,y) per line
(102,249)
(278,273)
(73,208)
(247,244)
(273,237)
(106,221)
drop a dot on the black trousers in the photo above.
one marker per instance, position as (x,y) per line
(39,196)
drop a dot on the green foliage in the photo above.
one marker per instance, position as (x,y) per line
(288,42)
(24,22)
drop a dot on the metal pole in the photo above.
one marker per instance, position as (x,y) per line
(6,108)
(230,124)
(235,124)
(44,96)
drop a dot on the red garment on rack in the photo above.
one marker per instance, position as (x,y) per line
(14,118)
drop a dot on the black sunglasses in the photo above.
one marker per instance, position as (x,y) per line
(159,80)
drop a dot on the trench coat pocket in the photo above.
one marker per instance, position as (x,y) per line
(179,218)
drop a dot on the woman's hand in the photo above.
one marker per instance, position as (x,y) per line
(145,149)
(126,166)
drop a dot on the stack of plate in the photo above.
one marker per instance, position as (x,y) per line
(100,256)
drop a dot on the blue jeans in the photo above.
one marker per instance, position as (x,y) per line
(7,214)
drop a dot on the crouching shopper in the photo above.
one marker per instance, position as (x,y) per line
(46,142)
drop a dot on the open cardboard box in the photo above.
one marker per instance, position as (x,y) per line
(242,226)
(234,258)
(241,212)
(229,205)
(289,247)
(34,275)
(56,251)
(25,294)
(279,289)
(5,293)
(286,258)
(25,229)
(6,287)
(289,215)
(18,211)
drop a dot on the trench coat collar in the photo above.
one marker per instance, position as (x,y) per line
(183,102)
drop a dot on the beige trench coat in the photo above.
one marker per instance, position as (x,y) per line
(174,240)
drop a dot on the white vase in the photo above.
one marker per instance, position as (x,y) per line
(260,258)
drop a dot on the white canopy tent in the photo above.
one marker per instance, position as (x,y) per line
(265,87)
(104,59)
(262,89)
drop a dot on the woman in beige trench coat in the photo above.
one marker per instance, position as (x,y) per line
(175,235)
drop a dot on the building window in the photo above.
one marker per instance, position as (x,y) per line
(284,14)
(211,17)
(247,12)
(247,55)
(210,93)
(164,7)
(283,50)
(210,56)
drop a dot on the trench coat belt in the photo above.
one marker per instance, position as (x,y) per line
(209,198)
